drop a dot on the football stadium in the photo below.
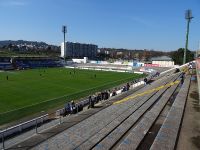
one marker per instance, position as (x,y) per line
(118,78)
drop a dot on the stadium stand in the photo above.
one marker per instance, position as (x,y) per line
(35,62)
(24,63)
(5,63)
(10,63)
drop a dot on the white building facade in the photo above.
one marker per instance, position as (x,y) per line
(63,50)
(163,61)
(78,50)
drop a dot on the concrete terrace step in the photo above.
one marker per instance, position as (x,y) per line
(167,136)
(137,134)
(113,137)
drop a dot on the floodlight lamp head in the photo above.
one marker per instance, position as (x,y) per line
(188,14)
(64,29)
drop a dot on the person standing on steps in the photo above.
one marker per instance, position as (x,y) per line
(145,80)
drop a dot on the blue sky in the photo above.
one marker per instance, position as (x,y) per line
(132,24)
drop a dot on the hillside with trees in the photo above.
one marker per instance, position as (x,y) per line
(177,56)
(21,47)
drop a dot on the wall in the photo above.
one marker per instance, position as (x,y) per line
(63,53)
(84,60)
(164,63)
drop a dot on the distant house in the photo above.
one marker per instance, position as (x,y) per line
(163,61)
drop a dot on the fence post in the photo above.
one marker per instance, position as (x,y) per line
(59,116)
(3,142)
(36,131)
(20,128)
(77,108)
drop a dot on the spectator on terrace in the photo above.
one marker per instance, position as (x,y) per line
(102,95)
(90,101)
(80,107)
(157,74)
(92,106)
(106,95)
(127,86)
(145,81)
(123,89)
(73,104)
(114,93)
(177,70)
(182,77)
(190,68)
(94,99)
(98,97)
(67,109)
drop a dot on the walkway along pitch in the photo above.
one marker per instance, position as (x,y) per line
(82,132)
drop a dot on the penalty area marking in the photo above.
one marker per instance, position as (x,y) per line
(147,92)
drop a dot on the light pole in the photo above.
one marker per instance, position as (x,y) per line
(188,17)
(64,30)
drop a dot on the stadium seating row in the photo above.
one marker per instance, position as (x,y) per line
(115,135)
(167,135)
(138,133)
(36,64)
(19,63)
(6,66)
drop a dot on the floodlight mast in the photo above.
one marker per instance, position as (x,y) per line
(64,30)
(188,17)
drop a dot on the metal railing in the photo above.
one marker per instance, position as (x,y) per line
(6,133)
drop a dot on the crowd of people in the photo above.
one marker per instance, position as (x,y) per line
(72,108)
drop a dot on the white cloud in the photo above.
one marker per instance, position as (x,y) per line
(8,3)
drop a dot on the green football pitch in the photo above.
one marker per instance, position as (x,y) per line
(30,91)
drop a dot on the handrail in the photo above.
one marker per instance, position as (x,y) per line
(18,125)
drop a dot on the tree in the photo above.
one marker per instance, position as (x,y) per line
(177,56)
(146,55)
